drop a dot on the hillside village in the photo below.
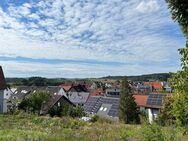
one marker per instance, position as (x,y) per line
(96,98)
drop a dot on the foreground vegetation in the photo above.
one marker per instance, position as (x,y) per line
(26,127)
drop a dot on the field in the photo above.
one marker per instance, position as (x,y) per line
(33,128)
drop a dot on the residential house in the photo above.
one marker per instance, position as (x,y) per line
(156,86)
(55,101)
(167,87)
(141,101)
(108,106)
(113,92)
(5,93)
(102,106)
(97,92)
(22,92)
(78,94)
(142,89)
(153,106)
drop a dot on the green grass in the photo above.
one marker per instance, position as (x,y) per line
(32,128)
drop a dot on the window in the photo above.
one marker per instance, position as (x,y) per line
(59,104)
(101,108)
(105,109)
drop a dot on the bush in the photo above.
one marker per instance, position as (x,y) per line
(67,110)
(95,118)
(157,133)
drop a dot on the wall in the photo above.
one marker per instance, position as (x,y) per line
(1,101)
(152,114)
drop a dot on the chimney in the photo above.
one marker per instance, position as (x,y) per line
(2,80)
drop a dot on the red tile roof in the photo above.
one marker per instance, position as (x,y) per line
(66,87)
(97,92)
(141,100)
(2,80)
(155,85)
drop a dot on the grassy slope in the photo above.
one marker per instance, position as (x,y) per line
(27,127)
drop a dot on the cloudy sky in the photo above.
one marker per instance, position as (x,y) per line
(87,38)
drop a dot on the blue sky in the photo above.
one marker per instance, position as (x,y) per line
(87,38)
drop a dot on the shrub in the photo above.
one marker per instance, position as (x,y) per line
(95,118)
(67,110)
(155,132)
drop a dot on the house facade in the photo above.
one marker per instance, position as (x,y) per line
(5,93)
(113,92)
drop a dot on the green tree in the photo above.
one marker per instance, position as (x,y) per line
(179,10)
(128,112)
(34,102)
(166,116)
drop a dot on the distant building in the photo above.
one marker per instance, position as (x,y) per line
(5,93)
(113,92)
(142,89)
(156,86)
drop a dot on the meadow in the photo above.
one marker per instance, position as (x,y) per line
(26,127)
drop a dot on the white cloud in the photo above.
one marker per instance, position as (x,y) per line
(148,6)
(131,32)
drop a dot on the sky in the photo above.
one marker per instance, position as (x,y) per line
(87,38)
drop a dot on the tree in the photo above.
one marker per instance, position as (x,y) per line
(179,10)
(128,112)
(166,116)
(34,102)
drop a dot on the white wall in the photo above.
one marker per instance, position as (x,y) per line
(152,114)
(7,93)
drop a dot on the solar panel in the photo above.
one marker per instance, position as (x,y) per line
(93,105)
(155,99)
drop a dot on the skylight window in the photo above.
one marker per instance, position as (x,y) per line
(101,108)
(105,109)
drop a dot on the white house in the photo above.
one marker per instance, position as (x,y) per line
(5,93)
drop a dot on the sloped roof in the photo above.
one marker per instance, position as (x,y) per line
(141,100)
(96,92)
(66,87)
(2,80)
(155,85)
(79,88)
(155,100)
(95,104)
(23,91)
(53,100)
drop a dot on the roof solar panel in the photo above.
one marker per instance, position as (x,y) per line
(155,99)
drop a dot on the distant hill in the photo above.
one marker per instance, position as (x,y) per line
(40,81)
(146,77)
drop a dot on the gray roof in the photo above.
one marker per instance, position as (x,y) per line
(104,106)
(78,97)
(3,85)
(155,100)
(23,91)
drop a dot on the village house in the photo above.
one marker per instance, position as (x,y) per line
(113,92)
(156,86)
(153,106)
(107,106)
(55,101)
(5,93)
(78,94)
(102,106)
(22,92)
(142,89)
